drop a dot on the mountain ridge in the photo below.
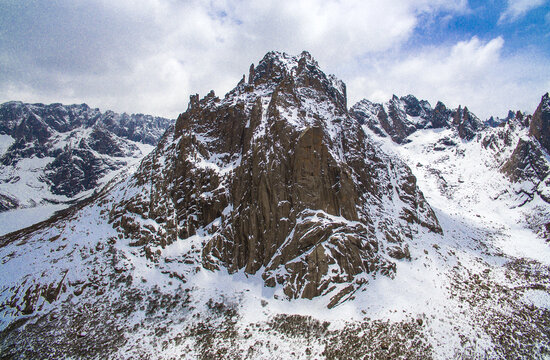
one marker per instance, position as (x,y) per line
(400,117)
(51,155)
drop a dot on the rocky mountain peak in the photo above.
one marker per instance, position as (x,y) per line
(539,126)
(528,165)
(274,67)
(400,117)
(71,147)
(283,181)
(440,116)
(466,123)
(545,101)
(281,69)
(415,107)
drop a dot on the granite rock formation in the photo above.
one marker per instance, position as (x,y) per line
(280,180)
(529,166)
(539,128)
(400,117)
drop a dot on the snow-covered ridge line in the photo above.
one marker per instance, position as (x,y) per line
(52,155)
(400,117)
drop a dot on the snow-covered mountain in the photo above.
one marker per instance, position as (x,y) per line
(400,117)
(282,182)
(516,148)
(276,223)
(52,155)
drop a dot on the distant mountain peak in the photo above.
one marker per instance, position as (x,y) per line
(401,116)
(73,146)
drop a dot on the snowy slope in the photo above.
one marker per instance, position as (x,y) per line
(459,295)
(492,241)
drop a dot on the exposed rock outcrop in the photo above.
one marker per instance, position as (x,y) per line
(528,162)
(466,123)
(400,117)
(539,128)
(283,182)
(69,147)
(529,165)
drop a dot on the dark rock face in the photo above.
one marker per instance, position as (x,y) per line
(539,128)
(320,242)
(369,113)
(528,163)
(415,107)
(466,123)
(39,121)
(141,128)
(107,143)
(84,143)
(280,179)
(76,170)
(512,116)
(400,117)
(54,117)
(391,118)
(7,203)
(395,121)
(440,116)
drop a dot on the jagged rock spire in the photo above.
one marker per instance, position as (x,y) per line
(293,185)
(539,127)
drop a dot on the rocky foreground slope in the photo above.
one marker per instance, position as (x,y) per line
(274,223)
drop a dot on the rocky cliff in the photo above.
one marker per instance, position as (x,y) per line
(400,117)
(529,161)
(284,182)
(529,164)
(539,128)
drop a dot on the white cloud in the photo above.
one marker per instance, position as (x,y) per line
(516,9)
(150,55)
(473,73)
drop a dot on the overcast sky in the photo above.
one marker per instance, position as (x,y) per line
(148,56)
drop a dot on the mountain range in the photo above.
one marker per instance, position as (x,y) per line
(276,222)
(53,155)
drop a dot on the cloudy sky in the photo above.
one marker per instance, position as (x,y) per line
(150,55)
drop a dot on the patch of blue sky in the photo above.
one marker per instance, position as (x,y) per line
(527,31)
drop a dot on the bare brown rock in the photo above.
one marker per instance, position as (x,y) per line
(539,126)
(526,163)
(278,178)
